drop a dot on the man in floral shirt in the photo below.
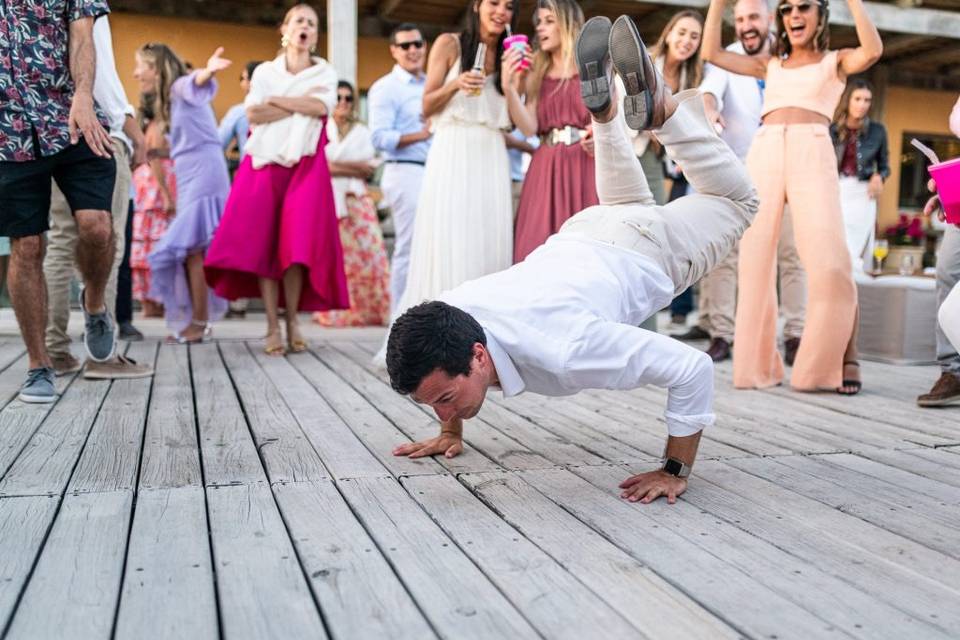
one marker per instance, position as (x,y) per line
(50,129)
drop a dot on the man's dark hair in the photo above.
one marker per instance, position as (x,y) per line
(430,336)
(403,26)
(251,66)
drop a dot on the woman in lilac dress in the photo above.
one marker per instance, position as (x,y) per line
(182,103)
(560,181)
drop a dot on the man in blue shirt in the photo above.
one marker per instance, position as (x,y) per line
(400,133)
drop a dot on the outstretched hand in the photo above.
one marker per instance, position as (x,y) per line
(647,487)
(448,444)
(217,62)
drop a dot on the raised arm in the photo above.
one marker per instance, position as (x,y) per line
(852,61)
(514,83)
(711,48)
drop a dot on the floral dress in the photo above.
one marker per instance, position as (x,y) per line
(150,218)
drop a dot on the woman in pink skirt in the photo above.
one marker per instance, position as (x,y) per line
(280,222)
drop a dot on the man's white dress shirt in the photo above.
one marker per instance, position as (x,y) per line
(739,100)
(566,319)
(107,88)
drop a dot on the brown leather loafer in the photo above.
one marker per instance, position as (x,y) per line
(719,350)
(790,347)
(643,105)
(945,391)
(696,332)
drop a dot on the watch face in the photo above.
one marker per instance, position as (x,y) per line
(673,467)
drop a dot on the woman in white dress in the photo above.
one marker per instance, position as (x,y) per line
(464,222)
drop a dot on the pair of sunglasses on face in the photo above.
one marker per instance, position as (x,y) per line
(416,44)
(787,8)
(345,98)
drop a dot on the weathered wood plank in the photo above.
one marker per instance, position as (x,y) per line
(338,447)
(736,596)
(498,450)
(13,364)
(74,589)
(261,587)
(894,518)
(554,602)
(46,462)
(358,592)
(774,562)
(111,456)
(284,447)
(19,420)
(827,520)
(935,464)
(635,591)
(229,453)
(24,523)
(455,596)
(171,455)
(168,586)
(377,433)
(906,480)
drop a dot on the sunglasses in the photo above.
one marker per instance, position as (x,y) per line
(344,98)
(416,44)
(803,7)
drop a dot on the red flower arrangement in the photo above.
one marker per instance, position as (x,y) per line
(907,232)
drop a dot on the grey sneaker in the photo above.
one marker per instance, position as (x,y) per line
(119,368)
(39,386)
(129,333)
(62,365)
(99,334)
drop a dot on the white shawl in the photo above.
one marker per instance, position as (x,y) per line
(286,141)
(357,146)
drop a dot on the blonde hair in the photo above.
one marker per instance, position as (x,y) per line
(569,20)
(691,70)
(169,67)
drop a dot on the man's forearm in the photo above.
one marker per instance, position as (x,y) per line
(83,56)
(683,449)
(408,139)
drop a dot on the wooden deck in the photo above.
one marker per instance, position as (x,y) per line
(237,496)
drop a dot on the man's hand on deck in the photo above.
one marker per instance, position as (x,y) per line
(448,444)
(647,487)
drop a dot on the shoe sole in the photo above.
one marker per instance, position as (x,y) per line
(627,52)
(65,372)
(592,52)
(25,397)
(946,402)
(117,376)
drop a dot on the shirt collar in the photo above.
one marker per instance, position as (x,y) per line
(406,77)
(510,381)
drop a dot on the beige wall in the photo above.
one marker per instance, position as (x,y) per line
(916,111)
(195,40)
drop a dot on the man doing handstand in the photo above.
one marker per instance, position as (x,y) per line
(566,318)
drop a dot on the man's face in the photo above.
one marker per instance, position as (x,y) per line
(409,50)
(457,396)
(752,24)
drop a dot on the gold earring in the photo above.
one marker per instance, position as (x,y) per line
(313,48)
(285,41)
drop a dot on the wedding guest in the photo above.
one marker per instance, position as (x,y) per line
(234,125)
(401,134)
(560,179)
(181,102)
(862,160)
(351,156)
(279,230)
(791,159)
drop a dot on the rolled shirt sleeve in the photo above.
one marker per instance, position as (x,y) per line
(611,355)
(382,120)
(715,82)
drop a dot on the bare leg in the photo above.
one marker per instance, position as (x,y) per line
(95,253)
(28,293)
(270,292)
(198,297)
(292,287)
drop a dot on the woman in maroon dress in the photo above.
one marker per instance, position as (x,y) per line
(560,180)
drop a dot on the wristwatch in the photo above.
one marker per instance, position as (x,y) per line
(676,467)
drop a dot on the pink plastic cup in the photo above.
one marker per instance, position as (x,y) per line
(518,41)
(947,176)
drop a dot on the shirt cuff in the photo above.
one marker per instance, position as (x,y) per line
(386,140)
(682,426)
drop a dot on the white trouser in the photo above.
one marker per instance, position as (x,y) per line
(686,237)
(400,184)
(859,217)
(949,317)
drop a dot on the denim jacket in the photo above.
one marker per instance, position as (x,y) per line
(872,154)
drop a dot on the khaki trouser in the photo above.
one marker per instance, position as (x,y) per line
(795,163)
(59,266)
(718,291)
(688,237)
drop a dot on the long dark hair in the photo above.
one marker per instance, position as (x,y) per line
(821,39)
(840,116)
(470,38)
